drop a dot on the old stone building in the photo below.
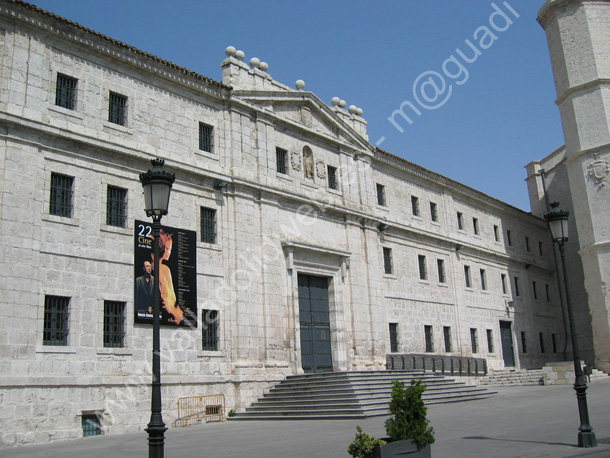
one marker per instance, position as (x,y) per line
(308,248)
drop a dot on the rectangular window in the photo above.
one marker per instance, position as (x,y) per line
(116,206)
(474,340)
(114,324)
(554,342)
(209,330)
(517,286)
(523,342)
(393,337)
(483,279)
(387,260)
(547,290)
(415,205)
(535,290)
(61,195)
(206,137)
(496,233)
(540,248)
(504,285)
(380,194)
(56,312)
(65,92)
(490,341)
(91,425)
(527,243)
(541,336)
(440,267)
(460,220)
(208,225)
(509,238)
(117,109)
(433,212)
(281,159)
(332,177)
(475,226)
(421,261)
(447,336)
(428,337)
(467,278)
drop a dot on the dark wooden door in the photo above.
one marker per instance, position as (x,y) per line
(315,324)
(506,336)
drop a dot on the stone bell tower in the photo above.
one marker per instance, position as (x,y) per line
(578,34)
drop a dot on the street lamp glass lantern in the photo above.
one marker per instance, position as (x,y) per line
(157,185)
(558,223)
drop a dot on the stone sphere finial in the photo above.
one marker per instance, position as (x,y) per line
(335,101)
(300,84)
(352,109)
(359,111)
(230,51)
(255,62)
(240,55)
(342,103)
(264,66)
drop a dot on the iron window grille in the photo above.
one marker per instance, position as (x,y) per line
(490,341)
(433,212)
(61,195)
(281,158)
(332,177)
(447,335)
(114,324)
(117,109)
(56,313)
(415,205)
(423,274)
(65,92)
(474,340)
(428,338)
(209,330)
(393,337)
(381,194)
(91,425)
(440,265)
(387,260)
(208,225)
(116,206)
(206,137)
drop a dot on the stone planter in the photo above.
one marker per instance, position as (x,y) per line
(401,448)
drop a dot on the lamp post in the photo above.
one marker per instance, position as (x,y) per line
(157,184)
(558,223)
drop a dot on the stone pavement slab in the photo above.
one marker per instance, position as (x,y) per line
(537,422)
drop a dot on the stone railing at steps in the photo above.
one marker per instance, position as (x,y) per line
(441,364)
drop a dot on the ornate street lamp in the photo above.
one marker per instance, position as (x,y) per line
(157,184)
(558,223)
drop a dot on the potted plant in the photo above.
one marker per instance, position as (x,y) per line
(363,445)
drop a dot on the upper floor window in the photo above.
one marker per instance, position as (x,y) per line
(535,290)
(490,341)
(440,265)
(116,206)
(483,279)
(393,337)
(56,313)
(332,177)
(415,205)
(467,278)
(504,285)
(387,260)
(496,233)
(65,92)
(61,195)
(380,194)
(206,137)
(474,340)
(281,160)
(117,109)
(527,243)
(209,330)
(547,290)
(208,225)
(517,286)
(114,324)
(433,212)
(540,248)
(475,226)
(460,220)
(421,261)
(509,239)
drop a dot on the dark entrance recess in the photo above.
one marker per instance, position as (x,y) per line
(507,343)
(315,324)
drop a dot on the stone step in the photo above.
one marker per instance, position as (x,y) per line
(519,377)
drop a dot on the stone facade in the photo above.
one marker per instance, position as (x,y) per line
(400,246)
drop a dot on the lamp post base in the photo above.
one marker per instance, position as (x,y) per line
(156,438)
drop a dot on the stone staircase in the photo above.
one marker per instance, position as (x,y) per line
(513,377)
(351,395)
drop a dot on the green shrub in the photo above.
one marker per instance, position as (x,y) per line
(363,445)
(231,413)
(409,420)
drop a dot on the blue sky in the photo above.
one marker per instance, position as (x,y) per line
(496,114)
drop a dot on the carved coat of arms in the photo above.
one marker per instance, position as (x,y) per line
(599,170)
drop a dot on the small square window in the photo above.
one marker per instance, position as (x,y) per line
(206,137)
(117,109)
(460,220)
(65,91)
(393,337)
(429,339)
(421,261)
(387,261)
(91,425)
(440,266)
(114,324)
(447,335)
(415,205)
(381,195)
(56,313)
(208,225)
(433,212)
(209,330)
(332,177)
(281,160)
(61,195)
(116,206)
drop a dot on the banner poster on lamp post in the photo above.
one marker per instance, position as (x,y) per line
(177,275)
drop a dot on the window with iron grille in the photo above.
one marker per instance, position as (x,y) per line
(415,205)
(208,225)
(209,330)
(523,342)
(440,267)
(116,206)
(65,92)
(447,335)
(421,261)
(332,177)
(380,194)
(460,220)
(483,279)
(393,337)
(474,340)
(387,260)
(490,341)
(117,109)
(61,195)
(281,159)
(56,313)
(114,324)
(428,338)
(467,278)
(433,212)
(206,137)
(91,425)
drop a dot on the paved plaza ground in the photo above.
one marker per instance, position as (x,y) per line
(537,422)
